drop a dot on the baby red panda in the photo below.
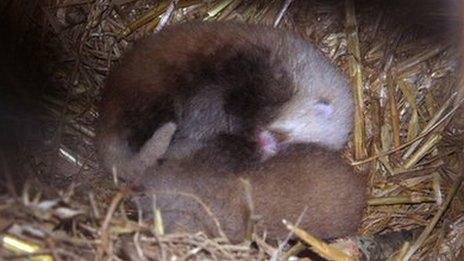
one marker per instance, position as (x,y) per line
(222,78)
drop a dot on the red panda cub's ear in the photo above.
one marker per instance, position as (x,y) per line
(324,109)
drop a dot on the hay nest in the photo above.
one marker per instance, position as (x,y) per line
(407,136)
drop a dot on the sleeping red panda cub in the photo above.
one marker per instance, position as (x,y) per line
(301,176)
(222,78)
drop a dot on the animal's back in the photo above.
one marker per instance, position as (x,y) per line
(281,188)
(314,178)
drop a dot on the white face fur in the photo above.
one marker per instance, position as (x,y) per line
(321,109)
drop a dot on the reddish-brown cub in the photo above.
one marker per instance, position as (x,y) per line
(300,177)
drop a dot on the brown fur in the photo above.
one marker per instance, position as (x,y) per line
(282,187)
(214,78)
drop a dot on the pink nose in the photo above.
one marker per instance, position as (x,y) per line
(267,143)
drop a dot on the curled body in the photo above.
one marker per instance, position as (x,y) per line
(300,177)
(222,78)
